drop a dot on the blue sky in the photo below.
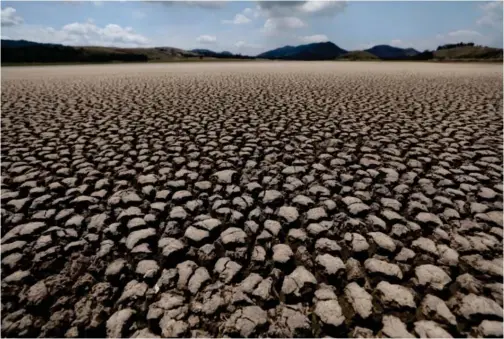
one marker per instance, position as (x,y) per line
(251,27)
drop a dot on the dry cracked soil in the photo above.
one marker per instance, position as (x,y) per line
(279,199)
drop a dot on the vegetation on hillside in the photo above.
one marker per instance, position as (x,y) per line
(64,54)
(460,44)
(27,52)
(449,52)
(358,55)
(469,52)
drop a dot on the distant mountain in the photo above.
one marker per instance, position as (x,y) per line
(315,51)
(22,51)
(205,52)
(411,52)
(390,52)
(209,53)
(278,52)
(6,43)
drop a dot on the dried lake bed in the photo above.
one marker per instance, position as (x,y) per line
(280,199)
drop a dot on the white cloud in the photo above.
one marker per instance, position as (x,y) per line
(322,7)
(282,16)
(273,25)
(9,17)
(491,5)
(240,44)
(314,38)
(396,43)
(80,34)
(464,34)
(138,15)
(300,8)
(96,3)
(201,4)
(243,44)
(123,35)
(488,34)
(246,48)
(206,39)
(206,4)
(239,19)
(244,17)
(361,47)
(492,14)
(252,12)
(401,44)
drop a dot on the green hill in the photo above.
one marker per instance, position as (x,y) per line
(41,53)
(469,53)
(27,52)
(152,54)
(16,52)
(358,55)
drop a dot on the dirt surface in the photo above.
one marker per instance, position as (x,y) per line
(252,199)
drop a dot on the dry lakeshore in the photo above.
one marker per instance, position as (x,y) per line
(280,199)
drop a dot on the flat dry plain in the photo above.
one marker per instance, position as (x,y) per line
(252,199)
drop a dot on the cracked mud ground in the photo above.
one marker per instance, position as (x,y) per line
(252,199)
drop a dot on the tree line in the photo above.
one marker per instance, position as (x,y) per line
(460,44)
(56,54)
